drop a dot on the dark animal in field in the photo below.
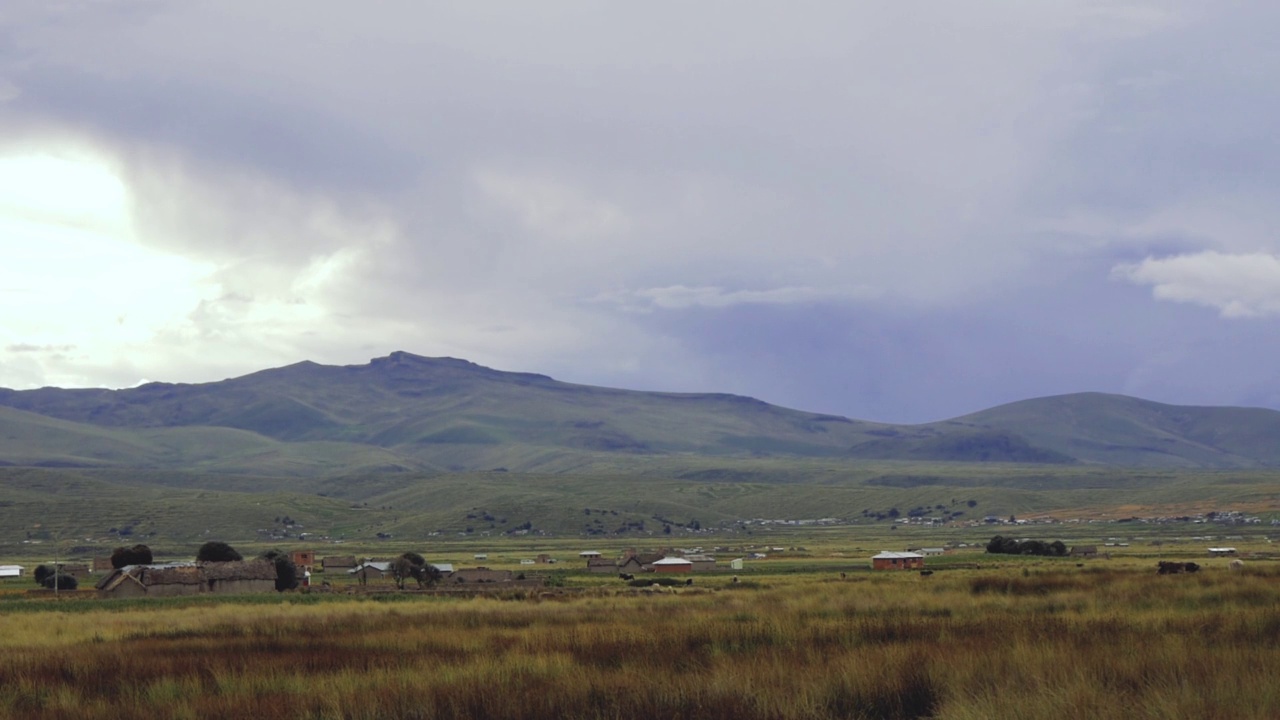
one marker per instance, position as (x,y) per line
(841,576)
(1173,568)
(626,576)
(926,573)
(689,581)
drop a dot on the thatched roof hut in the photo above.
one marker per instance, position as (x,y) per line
(189,579)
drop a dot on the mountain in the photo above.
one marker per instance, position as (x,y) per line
(409,413)
(1125,431)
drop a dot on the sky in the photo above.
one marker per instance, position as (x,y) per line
(900,212)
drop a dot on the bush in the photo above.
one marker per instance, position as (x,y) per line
(42,572)
(65,582)
(136,555)
(1000,545)
(215,551)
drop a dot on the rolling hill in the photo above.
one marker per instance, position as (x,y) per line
(405,413)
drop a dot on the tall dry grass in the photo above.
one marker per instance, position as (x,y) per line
(965,645)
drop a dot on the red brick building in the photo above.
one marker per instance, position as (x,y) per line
(888,560)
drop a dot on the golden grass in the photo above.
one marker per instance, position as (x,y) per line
(1043,643)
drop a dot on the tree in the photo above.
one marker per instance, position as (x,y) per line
(286,570)
(215,551)
(136,555)
(412,565)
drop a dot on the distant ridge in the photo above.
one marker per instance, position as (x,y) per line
(407,412)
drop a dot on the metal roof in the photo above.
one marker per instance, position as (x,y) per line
(672,561)
(890,555)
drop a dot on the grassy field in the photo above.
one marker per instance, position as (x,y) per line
(607,501)
(1011,638)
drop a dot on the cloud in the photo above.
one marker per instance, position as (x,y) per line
(8,91)
(680,297)
(608,196)
(28,348)
(1237,285)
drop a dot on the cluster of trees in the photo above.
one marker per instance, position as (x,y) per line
(1000,545)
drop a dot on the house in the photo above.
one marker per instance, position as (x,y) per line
(370,570)
(736,564)
(889,560)
(601,565)
(672,565)
(932,551)
(588,554)
(305,560)
(8,571)
(1084,551)
(172,579)
(338,562)
(629,565)
(701,563)
(1222,552)
(102,564)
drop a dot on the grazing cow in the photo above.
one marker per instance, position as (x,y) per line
(1236,565)
(926,573)
(626,576)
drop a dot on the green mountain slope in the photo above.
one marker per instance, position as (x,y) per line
(410,413)
(456,414)
(1119,430)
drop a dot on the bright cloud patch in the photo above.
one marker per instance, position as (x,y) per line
(1241,285)
(73,275)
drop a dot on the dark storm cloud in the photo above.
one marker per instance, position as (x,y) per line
(299,143)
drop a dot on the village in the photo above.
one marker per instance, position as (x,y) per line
(306,571)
